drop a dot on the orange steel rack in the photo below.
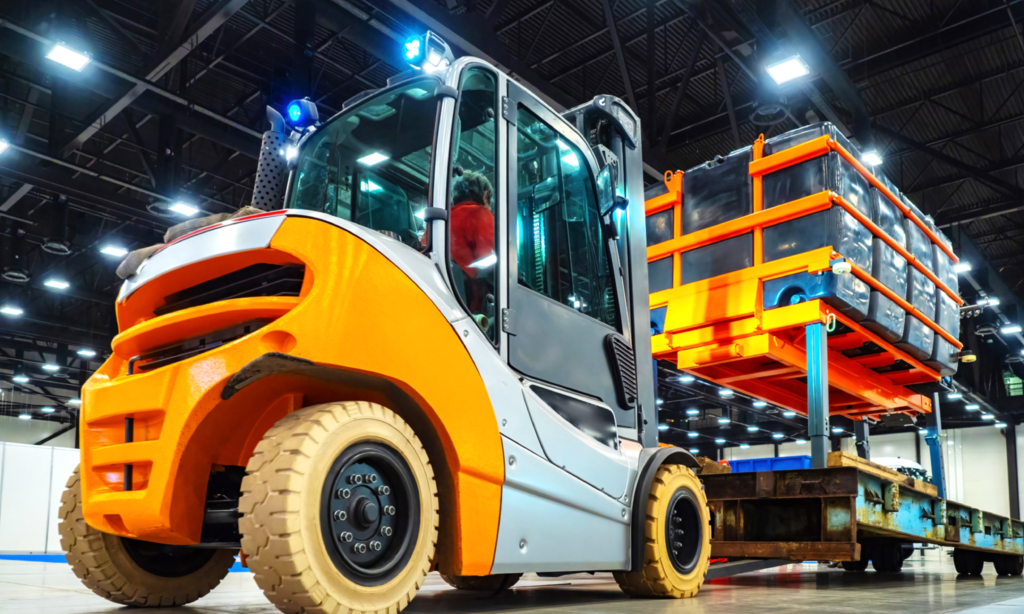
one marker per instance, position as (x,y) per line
(716,329)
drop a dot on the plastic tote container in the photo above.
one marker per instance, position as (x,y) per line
(885,317)
(827,172)
(918,340)
(846,293)
(808,133)
(944,357)
(718,191)
(834,226)
(749,465)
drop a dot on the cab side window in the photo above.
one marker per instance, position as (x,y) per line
(472,240)
(561,250)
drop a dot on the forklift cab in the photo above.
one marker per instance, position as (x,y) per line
(534,219)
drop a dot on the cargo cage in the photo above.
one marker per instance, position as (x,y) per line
(746,250)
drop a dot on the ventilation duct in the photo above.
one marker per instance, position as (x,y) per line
(58,242)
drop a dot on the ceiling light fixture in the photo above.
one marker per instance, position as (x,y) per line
(57,284)
(86,353)
(760,404)
(72,58)
(962,267)
(788,414)
(871,158)
(1010,329)
(115,251)
(724,421)
(788,69)
(719,441)
(693,434)
(184,209)
(10,310)
(725,392)
(687,379)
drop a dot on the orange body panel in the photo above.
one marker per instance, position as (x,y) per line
(357,313)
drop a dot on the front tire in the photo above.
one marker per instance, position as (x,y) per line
(677,535)
(132,572)
(339,511)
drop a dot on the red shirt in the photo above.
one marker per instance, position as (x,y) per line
(472,235)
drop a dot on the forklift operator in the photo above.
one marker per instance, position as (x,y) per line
(472,233)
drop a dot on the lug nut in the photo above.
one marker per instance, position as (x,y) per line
(385,531)
(676,545)
(371,478)
(344,493)
(359,548)
(340,515)
(389,510)
(375,546)
(357,479)
(383,490)
(345,537)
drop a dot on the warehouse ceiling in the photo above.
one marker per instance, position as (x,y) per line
(172,108)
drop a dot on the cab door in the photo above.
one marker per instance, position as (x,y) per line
(563,319)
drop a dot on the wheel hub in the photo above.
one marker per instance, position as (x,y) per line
(370,513)
(684,531)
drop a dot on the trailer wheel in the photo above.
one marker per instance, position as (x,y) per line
(496,583)
(339,511)
(860,565)
(677,533)
(887,557)
(1009,565)
(968,562)
(132,572)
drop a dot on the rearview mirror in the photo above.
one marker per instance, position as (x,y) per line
(606,190)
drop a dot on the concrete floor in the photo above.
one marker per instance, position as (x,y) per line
(926,586)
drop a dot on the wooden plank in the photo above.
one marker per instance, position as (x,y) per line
(844,459)
(792,551)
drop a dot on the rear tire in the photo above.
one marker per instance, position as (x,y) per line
(320,538)
(486,584)
(968,562)
(860,565)
(887,558)
(132,572)
(1009,565)
(674,563)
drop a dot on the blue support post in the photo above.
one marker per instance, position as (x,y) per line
(817,394)
(933,436)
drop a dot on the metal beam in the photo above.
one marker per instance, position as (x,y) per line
(213,19)
(1010,432)
(728,104)
(817,394)
(677,99)
(620,55)
(57,433)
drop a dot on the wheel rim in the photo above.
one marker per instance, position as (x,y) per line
(684,531)
(167,561)
(370,516)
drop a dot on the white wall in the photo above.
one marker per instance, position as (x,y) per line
(32,479)
(14,430)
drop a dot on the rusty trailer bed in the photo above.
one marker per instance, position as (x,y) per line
(827,514)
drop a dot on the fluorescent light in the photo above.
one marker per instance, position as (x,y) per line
(74,401)
(692,412)
(686,379)
(662,427)
(20,379)
(719,441)
(50,367)
(4,144)
(744,446)
(982,301)
(1010,329)
(871,158)
(693,434)
(113,250)
(788,414)
(752,429)
(724,421)
(25,416)
(490,260)
(571,159)
(371,159)
(369,186)
(954,396)
(184,209)
(694,450)
(837,429)
(86,353)
(972,407)
(799,442)
(725,392)
(962,267)
(1000,425)
(778,436)
(73,59)
(760,404)
(659,401)
(59,284)
(993,301)
(47,410)
(788,69)
(987,417)
(10,310)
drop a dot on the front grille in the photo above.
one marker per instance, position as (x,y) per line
(255,280)
(175,353)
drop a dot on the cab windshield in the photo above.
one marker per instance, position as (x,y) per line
(371,164)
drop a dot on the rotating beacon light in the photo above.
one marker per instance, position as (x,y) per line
(302,113)
(429,53)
